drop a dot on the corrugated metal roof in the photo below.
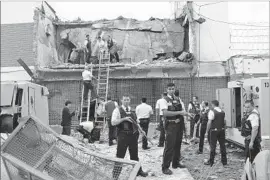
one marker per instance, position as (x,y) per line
(17,42)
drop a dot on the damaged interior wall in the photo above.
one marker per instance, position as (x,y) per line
(136,40)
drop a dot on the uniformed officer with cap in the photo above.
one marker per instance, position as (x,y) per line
(128,134)
(216,129)
(174,125)
(251,126)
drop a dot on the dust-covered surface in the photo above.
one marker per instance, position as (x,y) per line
(198,170)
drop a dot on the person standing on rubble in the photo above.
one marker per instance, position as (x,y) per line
(194,107)
(66,118)
(87,50)
(174,126)
(203,122)
(216,129)
(177,94)
(87,83)
(160,119)
(251,126)
(112,47)
(128,134)
(143,112)
(109,107)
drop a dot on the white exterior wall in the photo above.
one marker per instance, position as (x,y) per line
(213,37)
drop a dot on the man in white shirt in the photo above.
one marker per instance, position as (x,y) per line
(251,131)
(87,83)
(128,134)
(159,118)
(143,112)
(216,128)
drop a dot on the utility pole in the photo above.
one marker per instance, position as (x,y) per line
(192,36)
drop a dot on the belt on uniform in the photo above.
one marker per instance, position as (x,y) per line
(172,121)
(126,132)
(144,118)
(216,129)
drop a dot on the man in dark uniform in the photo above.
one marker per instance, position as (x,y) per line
(88,50)
(128,134)
(66,119)
(203,122)
(216,129)
(251,126)
(112,49)
(194,107)
(174,126)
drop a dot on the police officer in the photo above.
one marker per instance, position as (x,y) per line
(174,126)
(216,129)
(203,121)
(251,131)
(128,134)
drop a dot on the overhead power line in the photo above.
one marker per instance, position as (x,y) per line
(232,23)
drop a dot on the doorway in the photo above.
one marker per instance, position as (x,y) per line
(237,92)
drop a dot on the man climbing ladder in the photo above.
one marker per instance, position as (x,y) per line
(87,83)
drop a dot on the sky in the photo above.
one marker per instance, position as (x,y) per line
(21,12)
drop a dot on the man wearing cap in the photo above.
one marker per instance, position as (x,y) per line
(66,118)
(88,50)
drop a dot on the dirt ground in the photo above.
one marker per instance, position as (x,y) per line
(151,161)
(199,171)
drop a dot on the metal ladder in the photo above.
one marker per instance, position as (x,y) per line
(102,91)
(85,105)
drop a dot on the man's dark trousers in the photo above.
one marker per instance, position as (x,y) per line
(126,140)
(252,153)
(174,135)
(112,129)
(202,134)
(66,130)
(144,123)
(217,135)
(87,86)
(162,131)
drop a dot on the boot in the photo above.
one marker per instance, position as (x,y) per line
(141,173)
(167,171)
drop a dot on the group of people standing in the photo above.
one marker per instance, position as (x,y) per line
(204,122)
(125,122)
(103,46)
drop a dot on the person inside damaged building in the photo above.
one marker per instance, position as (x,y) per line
(251,130)
(112,48)
(127,125)
(216,130)
(87,49)
(195,108)
(174,127)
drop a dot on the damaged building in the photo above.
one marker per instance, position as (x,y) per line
(152,53)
